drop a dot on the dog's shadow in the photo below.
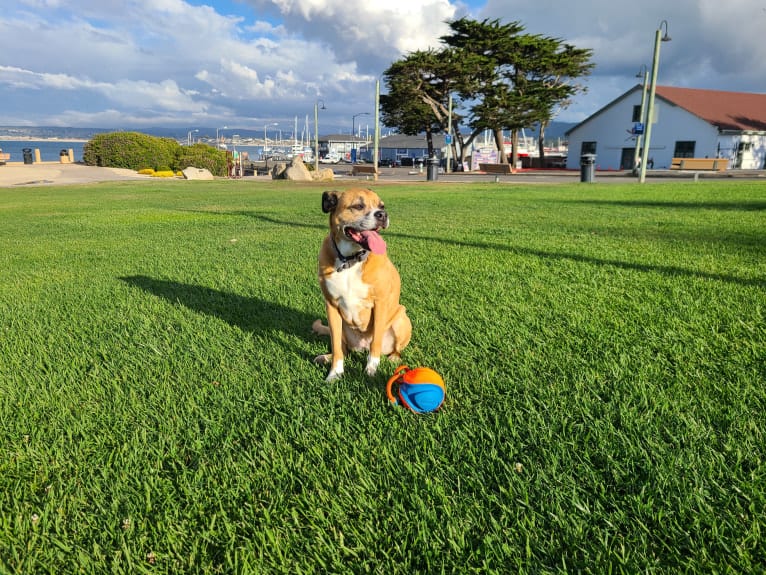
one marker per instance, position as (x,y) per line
(254,315)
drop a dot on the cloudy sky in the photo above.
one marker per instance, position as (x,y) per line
(248,63)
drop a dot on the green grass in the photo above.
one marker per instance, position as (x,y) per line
(604,349)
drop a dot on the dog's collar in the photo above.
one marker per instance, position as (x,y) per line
(345,262)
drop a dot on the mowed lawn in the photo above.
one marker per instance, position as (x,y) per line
(603,346)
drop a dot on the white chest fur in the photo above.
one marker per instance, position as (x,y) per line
(350,292)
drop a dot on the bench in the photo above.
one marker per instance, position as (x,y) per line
(4,158)
(496,168)
(363,170)
(712,164)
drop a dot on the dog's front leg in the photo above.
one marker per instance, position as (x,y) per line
(335,323)
(376,345)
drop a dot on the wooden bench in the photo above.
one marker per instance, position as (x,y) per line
(496,168)
(710,164)
(363,170)
(4,158)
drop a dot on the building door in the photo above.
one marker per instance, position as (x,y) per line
(626,162)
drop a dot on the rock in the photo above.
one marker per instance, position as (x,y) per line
(298,171)
(323,175)
(192,173)
(278,171)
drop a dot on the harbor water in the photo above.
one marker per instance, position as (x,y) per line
(50,150)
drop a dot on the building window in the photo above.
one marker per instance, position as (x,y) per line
(637,114)
(588,148)
(684,149)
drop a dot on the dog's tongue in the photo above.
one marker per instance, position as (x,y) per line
(372,241)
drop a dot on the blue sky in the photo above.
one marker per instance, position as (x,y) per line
(248,63)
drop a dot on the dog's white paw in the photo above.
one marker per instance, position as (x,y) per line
(372,365)
(335,372)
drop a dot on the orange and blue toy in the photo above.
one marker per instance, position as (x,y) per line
(421,390)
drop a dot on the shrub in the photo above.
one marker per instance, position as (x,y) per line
(149,154)
(202,156)
(131,150)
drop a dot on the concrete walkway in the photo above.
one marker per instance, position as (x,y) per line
(17,174)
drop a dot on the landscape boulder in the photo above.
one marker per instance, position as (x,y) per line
(297,171)
(192,173)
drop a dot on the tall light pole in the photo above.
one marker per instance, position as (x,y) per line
(189,137)
(376,144)
(316,134)
(353,129)
(449,136)
(658,38)
(641,118)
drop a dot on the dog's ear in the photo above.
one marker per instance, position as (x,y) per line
(329,201)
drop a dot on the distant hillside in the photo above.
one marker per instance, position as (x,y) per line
(554,131)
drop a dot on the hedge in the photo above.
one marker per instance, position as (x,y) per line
(137,151)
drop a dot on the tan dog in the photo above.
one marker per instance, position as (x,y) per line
(360,284)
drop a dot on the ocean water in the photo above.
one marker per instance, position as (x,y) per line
(49,149)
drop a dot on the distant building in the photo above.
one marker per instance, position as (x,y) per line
(396,147)
(410,149)
(343,146)
(688,123)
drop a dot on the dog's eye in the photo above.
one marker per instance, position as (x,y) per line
(358,207)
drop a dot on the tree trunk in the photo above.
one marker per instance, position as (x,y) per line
(541,143)
(500,145)
(515,144)
(430,143)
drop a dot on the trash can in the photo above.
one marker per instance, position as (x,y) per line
(64,157)
(433,169)
(587,167)
(27,153)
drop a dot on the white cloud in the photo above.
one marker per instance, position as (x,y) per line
(168,61)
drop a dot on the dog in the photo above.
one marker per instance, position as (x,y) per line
(361,286)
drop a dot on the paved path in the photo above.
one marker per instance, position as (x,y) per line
(54,173)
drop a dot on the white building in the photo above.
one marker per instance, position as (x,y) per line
(688,123)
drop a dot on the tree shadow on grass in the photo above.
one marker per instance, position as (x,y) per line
(666,270)
(252,315)
(549,255)
(733,205)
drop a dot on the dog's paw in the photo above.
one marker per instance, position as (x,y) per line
(333,376)
(319,328)
(372,365)
(335,372)
(323,359)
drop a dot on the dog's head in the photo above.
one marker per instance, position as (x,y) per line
(356,216)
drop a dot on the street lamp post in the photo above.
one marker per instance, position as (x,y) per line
(658,38)
(316,134)
(376,145)
(449,136)
(189,141)
(353,130)
(641,118)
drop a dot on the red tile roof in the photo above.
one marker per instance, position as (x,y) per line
(726,110)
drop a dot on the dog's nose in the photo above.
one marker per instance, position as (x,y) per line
(381,215)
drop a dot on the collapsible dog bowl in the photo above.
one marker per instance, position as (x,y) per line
(421,389)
